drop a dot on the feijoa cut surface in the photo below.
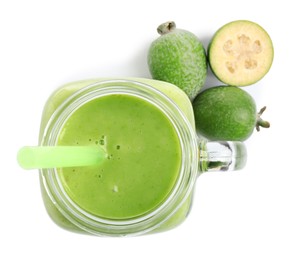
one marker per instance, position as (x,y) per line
(240,53)
(225,113)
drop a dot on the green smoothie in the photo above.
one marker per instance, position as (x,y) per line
(143,156)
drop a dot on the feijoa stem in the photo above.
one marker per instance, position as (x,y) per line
(167,27)
(259,121)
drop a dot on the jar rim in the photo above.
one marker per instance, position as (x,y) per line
(183,187)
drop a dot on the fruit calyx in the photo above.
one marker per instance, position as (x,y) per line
(259,121)
(167,27)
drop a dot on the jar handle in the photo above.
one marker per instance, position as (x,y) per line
(221,156)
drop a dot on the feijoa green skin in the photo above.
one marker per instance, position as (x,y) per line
(226,113)
(240,53)
(178,57)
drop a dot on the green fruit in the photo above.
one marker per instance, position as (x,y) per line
(226,113)
(240,53)
(178,57)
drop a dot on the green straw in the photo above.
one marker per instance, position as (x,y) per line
(40,157)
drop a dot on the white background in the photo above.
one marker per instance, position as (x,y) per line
(251,214)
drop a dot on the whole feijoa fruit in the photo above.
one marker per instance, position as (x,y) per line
(240,53)
(226,113)
(178,57)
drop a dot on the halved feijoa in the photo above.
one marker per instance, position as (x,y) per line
(240,53)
